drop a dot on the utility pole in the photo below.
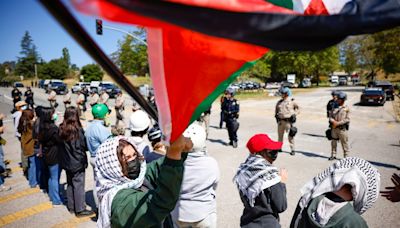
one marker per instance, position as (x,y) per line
(100,26)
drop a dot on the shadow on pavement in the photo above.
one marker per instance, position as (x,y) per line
(314,135)
(308,154)
(218,141)
(395,145)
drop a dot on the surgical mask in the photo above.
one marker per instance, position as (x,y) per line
(134,168)
(273,154)
(55,117)
(24,107)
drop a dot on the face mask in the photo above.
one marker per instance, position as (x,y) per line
(273,154)
(54,117)
(134,168)
(23,107)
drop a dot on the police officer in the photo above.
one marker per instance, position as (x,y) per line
(119,107)
(230,107)
(340,121)
(29,97)
(53,99)
(286,111)
(94,98)
(16,95)
(332,104)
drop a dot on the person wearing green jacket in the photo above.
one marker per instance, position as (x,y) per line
(132,193)
(325,200)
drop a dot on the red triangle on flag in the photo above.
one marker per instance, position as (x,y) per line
(316,7)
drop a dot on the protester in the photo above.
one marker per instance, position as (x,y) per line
(159,149)
(197,204)
(20,106)
(73,160)
(48,137)
(139,123)
(325,200)
(16,95)
(96,134)
(2,163)
(393,193)
(42,172)
(25,128)
(123,182)
(261,186)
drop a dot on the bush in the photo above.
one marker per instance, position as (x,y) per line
(92,72)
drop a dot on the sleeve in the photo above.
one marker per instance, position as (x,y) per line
(131,208)
(278,197)
(296,213)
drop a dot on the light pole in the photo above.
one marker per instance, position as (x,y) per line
(127,33)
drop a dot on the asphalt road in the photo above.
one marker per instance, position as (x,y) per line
(374,135)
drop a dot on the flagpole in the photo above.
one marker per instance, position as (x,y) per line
(67,20)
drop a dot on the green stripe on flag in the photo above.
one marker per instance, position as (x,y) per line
(282,3)
(203,106)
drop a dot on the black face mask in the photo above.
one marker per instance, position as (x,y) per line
(134,168)
(273,154)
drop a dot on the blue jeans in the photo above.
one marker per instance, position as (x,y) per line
(32,171)
(42,174)
(2,165)
(54,184)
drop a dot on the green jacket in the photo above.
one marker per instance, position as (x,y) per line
(345,217)
(137,208)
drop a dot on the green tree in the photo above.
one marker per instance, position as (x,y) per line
(387,50)
(66,57)
(92,72)
(131,56)
(29,57)
(55,69)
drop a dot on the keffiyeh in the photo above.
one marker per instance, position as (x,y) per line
(360,174)
(255,175)
(110,179)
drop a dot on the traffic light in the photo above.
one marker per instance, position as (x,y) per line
(99,27)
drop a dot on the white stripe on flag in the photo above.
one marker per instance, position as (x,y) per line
(156,62)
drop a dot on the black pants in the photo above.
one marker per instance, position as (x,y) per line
(231,125)
(76,191)
(221,121)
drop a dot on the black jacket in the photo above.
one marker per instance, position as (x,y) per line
(72,154)
(50,141)
(267,207)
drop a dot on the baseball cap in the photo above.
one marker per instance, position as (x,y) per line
(260,142)
(20,103)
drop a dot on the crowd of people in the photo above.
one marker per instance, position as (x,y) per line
(146,183)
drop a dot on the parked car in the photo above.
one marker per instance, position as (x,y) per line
(343,80)
(18,84)
(289,84)
(386,86)
(306,83)
(79,86)
(58,86)
(373,96)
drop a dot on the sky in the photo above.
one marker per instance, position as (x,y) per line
(18,16)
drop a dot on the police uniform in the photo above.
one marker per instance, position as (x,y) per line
(29,98)
(230,107)
(94,99)
(119,106)
(52,99)
(67,99)
(104,98)
(80,103)
(285,111)
(339,132)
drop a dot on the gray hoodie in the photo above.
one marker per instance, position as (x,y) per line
(198,197)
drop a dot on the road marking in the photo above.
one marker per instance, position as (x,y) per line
(20,194)
(74,222)
(10,218)
(16,169)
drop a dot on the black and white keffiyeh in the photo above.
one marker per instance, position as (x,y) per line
(255,175)
(110,179)
(360,174)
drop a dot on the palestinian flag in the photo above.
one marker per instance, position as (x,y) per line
(197,47)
